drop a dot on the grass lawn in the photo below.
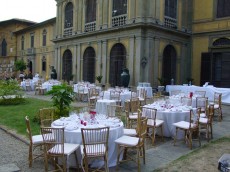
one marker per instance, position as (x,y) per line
(13,116)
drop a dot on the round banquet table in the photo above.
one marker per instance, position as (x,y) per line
(73,135)
(169,117)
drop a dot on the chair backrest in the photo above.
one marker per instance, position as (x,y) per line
(114,95)
(186,101)
(202,102)
(53,140)
(46,116)
(210,113)
(95,141)
(194,116)
(217,98)
(141,93)
(134,105)
(141,128)
(114,111)
(175,92)
(200,93)
(127,106)
(28,129)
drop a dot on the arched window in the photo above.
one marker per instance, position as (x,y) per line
(69,15)
(89,65)
(90,11)
(169,64)
(44,63)
(117,63)
(67,65)
(221,42)
(44,33)
(4,48)
(22,43)
(119,7)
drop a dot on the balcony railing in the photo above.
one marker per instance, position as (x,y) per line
(89,27)
(170,22)
(68,31)
(31,51)
(119,20)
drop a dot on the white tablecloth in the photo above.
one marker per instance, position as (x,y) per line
(74,136)
(49,84)
(101,105)
(126,95)
(149,90)
(169,116)
(210,90)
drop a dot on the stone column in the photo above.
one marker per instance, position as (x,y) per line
(105,61)
(78,65)
(148,71)
(131,59)
(131,11)
(99,15)
(105,14)
(156,47)
(58,69)
(99,58)
(74,62)
(138,48)
(80,15)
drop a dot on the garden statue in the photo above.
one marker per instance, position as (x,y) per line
(125,77)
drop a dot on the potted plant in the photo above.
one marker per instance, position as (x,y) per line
(99,78)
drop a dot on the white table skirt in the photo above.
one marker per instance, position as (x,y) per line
(170,117)
(210,90)
(76,137)
(101,105)
(149,91)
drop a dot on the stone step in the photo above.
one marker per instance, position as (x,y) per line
(9,168)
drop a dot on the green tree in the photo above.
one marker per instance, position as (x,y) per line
(20,65)
(62,96)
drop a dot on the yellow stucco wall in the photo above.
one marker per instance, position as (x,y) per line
(200,45)
(202,10)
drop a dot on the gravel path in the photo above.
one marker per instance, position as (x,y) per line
(15,151)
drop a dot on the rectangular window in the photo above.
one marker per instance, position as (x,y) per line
(119,7)
(91,11)
(171,8)
(32,41)
(44,40)
(22,44)
(223,7)
(44,66)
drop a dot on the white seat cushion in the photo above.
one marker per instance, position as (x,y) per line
(68,148)
(132,116)
(37,139)
(203,120)
(216,106)
(127,140)
(202,115)
(130,132)
(183,124)
(150,122)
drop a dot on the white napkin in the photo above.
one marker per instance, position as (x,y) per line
(58,123)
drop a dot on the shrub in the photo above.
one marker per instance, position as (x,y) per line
(62,96)
(10,93)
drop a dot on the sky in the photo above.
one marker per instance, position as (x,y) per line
(32,10)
